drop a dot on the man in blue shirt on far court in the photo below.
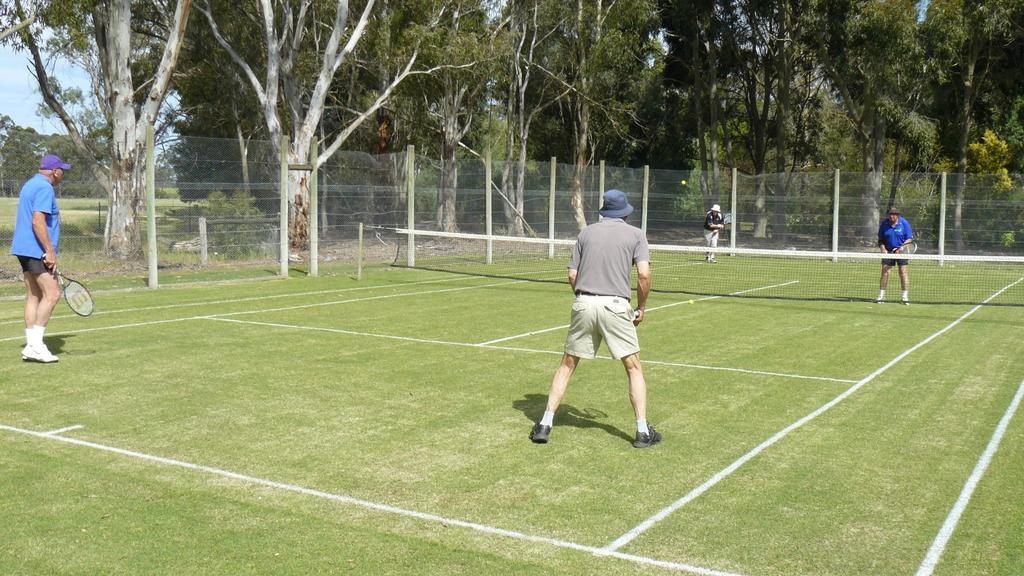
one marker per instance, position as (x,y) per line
(894,234)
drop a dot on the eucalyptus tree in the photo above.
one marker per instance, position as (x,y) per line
(302,46)
(866,47)
(528,92)
(130,50)
(462,49)
(966,37)
(694,34)
(600,56)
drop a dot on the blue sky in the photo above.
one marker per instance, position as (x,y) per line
(19,93)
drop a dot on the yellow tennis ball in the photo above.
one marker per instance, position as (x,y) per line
(691,301)
(683,182)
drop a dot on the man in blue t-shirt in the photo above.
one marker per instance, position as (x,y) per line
(894,234)
(36,233)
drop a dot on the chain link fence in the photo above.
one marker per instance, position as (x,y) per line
(218,206)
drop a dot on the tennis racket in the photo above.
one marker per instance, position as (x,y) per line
(76,295)
(907,248)
(727,218)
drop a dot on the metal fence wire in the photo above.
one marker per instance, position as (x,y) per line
(218,203)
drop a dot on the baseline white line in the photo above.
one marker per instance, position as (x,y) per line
(251,298)
(329,303)
(62,430)
(505,348)
(564,326)
(728,470)
(376,506)
(931,560)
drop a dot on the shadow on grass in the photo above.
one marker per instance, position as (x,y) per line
(532,406)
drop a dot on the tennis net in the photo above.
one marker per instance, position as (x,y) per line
(750,273)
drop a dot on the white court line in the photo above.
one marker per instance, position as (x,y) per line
(376,506)
(505,348)
(250,298)
(62,430)
(946,532)
(564,326)
(745,371)
(728,470)
(329,303)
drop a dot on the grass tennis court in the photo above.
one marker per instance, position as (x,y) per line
(334,426)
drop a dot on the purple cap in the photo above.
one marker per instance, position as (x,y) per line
(52,162)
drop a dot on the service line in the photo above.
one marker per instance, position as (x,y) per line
(376,506)
(564,326)
(753,453)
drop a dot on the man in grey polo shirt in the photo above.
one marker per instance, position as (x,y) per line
(599,272)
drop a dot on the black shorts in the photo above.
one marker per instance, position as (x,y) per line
(32,265)
(901,262)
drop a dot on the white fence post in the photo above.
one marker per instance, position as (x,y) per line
(284,206)
(734,224)
(314,203)
(151,251)
(942,218)
(488,223)
(551,209)
(410,176)
(643,211)
(835,216)
(204,252)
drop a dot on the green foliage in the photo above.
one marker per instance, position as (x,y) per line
(991,156)
(232,239)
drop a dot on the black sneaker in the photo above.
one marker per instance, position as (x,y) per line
(540,433)
(650,439)
(906,302)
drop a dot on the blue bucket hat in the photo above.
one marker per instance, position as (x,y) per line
(615,204)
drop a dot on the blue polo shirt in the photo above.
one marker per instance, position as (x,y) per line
(36,196)
(894,235)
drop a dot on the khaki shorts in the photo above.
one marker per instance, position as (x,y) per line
(597,318)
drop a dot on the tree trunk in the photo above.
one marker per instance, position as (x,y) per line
(783,54)
(874,158)
(112,31)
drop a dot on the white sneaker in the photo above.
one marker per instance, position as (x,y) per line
(38,354)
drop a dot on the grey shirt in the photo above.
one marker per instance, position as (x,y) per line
(604,255)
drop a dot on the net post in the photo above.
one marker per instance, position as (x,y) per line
(835,216)
(314,206)
(551,209)
(643,210)
(154,279)
(735,214)
(204,251)
(359,257)
(942,218)
(488,220)
(410,201)
(283,158)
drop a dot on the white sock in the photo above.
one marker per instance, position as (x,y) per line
(881,294)
(904,296)
(641,427)
(548,419)
(30,333)
(39,330)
